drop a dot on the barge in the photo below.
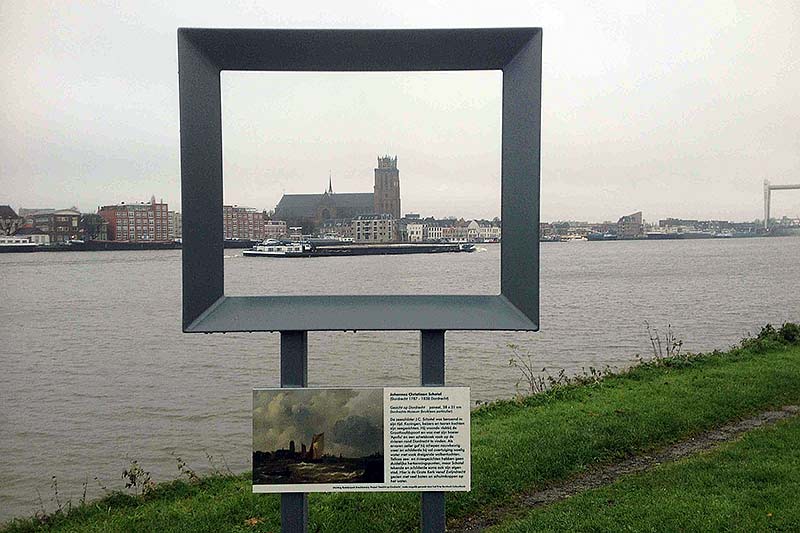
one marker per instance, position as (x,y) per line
(275,248)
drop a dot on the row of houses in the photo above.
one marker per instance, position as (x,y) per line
(634,226)
(627,227)
(43,226)
(138,222)
(453,230)
(248,223)
(153,221)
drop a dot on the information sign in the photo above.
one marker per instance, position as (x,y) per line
(361,439)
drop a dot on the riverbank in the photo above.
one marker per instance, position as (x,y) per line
(747,485)
(117,246)
(517,446)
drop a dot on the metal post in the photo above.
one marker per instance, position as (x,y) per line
(431,351)
(294,374)
(767,194)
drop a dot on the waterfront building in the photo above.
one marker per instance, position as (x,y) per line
(312,211)
(10,221)
(415,231)
(630,226)
(434,232)
(93,227)
(680,225)
(456,230)
(142,222)
(275,229)
(473,231)
(338,228)
(175,225)
(61,225)
(449,228)
(26,212)
(402,227)
(604,228)
(488,231)
(34,235)
(373,228)
(242,223)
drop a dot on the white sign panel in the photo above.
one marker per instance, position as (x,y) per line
(361,439)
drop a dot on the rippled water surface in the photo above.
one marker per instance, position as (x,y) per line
(96,372)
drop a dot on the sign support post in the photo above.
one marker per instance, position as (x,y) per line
(431,343)
(294,374)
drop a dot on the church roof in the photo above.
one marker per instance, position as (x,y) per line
(305,205)
(7,212)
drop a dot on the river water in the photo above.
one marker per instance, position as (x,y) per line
(95,371)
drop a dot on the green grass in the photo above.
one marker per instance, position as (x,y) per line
(516,446)
(748,485)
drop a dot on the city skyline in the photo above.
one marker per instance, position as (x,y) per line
(685,127)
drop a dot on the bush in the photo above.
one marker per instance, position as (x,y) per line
(769,337)
(790,333)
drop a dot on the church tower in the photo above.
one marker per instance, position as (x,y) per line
(387,187)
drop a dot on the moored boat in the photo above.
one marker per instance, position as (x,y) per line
(16,244)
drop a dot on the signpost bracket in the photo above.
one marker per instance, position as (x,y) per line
(431,342)
(294,374)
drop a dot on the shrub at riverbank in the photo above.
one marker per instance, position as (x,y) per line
(517,445)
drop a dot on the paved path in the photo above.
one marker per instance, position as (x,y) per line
(606,474)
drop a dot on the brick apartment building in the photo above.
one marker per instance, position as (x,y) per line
(142,222)
(242,223)
(275,229)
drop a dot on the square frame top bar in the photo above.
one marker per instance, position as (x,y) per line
(204,52)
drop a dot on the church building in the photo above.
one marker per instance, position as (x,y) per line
(313,211)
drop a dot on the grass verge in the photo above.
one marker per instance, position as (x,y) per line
(747,485)
(516,446)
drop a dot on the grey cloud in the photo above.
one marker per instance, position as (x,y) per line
(359,433)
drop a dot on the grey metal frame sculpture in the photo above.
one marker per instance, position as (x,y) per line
(204,53)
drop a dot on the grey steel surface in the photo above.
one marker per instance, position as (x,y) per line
(341,313)
(431,352)
(204,53)
(294,374)
(431,357)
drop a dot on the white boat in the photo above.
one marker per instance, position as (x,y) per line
(16,244)
(272,247)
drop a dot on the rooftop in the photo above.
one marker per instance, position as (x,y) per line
(382,216)
(7,212)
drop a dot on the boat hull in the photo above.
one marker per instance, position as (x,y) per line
(368,249)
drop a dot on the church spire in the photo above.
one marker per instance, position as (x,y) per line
(330,183)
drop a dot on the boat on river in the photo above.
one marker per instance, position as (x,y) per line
(276,248)
(16,244)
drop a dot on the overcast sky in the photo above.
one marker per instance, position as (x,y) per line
(676,109)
